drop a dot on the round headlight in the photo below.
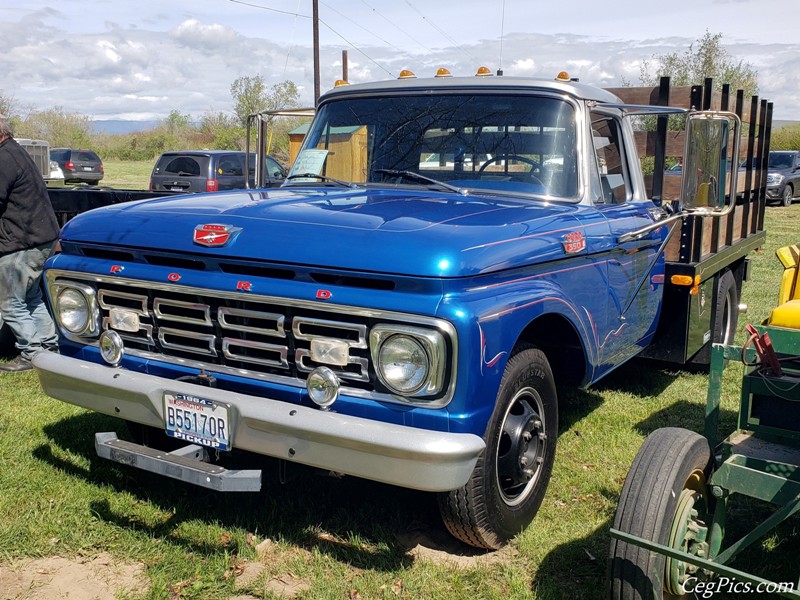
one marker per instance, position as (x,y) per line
(403,364)
(72,308)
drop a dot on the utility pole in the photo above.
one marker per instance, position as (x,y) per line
(315,19)
(345,74)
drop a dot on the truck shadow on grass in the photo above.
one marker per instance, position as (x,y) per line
(363,523)
(355,521)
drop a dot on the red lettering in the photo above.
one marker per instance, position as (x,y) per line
(324,295)
(116,268)
(245,286)
(174,276)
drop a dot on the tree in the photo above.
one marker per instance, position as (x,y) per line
(221,131)
(250,96)
(58,127)
(706,57)
(7,105)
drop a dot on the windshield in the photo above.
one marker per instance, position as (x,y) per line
(780,160)
(504,144)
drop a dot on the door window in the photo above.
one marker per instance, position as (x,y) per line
(611,183)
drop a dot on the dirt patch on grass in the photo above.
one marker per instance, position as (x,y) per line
(100,577)
(440,548)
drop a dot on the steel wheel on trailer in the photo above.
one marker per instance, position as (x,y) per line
(664,501)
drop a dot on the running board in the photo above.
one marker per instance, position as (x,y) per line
(187,464)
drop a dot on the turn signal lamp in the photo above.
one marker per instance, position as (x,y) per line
(406,74)
(563,76)
(687,280)
(442,72)
(483,72)
(340,82)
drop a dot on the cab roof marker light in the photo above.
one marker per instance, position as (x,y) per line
(341,82)
(442,72)
(406,74)
(483,72)
(563,76)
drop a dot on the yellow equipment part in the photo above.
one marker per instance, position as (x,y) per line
(787,313)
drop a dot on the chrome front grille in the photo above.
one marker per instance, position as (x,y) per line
(241,332)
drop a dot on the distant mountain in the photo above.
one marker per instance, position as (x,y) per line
(118,126)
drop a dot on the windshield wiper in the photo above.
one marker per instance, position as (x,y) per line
(422,178)
(324,178)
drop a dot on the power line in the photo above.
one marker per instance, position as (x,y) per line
(357,49)
(502,35)
(440,30)
(291,46)
(396,26)
(329,7)
(348,42)
(283,12)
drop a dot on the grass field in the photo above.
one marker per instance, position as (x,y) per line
(127,174)
(345,538)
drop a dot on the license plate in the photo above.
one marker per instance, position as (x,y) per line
(197,420)
(175,189)
(87,168)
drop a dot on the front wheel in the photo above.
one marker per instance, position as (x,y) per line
(663,500)
(510,478)
(788,193)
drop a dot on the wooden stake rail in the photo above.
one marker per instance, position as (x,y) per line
(701,237)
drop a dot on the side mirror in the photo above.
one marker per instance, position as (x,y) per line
(706,170)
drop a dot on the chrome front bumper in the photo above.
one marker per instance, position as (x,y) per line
(395,454)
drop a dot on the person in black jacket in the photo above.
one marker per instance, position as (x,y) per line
(28,233)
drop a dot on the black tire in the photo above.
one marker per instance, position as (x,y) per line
(726,309)
(511,476)
(670,463)
(788,193)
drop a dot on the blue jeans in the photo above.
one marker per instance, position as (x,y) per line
(21,304)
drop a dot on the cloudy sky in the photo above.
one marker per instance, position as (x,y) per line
(141,59)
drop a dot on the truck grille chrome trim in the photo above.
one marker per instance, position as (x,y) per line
(233,319)
(282,352)
(182,312)
(204,341)
(265,338)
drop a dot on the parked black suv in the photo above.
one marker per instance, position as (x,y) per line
(78,165)
(783,177)
(208,171)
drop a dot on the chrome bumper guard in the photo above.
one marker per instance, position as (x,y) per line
(409,457)
(187,464)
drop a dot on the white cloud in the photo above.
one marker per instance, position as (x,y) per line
(138,58)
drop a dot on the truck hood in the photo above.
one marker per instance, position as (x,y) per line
(395,231)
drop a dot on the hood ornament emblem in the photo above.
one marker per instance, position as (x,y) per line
(215,235)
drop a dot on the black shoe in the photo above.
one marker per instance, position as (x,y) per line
(18,364)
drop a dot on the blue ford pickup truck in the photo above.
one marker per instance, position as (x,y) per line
(444,256)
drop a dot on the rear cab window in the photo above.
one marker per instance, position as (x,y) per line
(185,166)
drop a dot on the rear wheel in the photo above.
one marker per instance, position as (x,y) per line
(726,309)
(788,193)
(510,478)
(663,500)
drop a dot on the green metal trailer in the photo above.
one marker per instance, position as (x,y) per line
(668,535)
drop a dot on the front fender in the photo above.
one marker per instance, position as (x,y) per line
(491,317)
